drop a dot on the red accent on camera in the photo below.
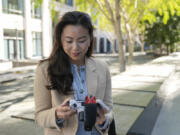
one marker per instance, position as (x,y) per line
(89,100)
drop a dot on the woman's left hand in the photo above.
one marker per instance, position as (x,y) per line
(100,118)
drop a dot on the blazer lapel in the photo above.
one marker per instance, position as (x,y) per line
(91,76)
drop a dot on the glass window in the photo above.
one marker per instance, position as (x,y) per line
(14,44)
(95,45)
(11,49)
(6,50)
(21,49)
(108,46)
(37,43)
(13,6)
(69,2)
(35,11)
(101,45)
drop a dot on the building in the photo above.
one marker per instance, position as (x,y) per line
(104,42)
(26,31)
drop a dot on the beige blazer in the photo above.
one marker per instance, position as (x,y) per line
(98,84)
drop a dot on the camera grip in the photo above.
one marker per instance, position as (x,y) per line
(90,113)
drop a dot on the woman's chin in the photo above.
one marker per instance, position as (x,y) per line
(77,60)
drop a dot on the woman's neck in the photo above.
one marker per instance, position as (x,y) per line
(78,63)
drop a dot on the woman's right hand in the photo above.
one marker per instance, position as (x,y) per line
(64,111)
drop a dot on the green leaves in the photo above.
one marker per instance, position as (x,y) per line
(165,31)
(37,3)
(165,8)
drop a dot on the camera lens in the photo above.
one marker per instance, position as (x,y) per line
(74,105)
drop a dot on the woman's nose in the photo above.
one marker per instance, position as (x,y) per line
(75,46)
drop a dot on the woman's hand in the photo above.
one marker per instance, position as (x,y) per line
(100,118)
(64,111)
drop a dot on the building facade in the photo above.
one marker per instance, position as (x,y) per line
(26,31)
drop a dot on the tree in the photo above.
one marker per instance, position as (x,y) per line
(132,12)
(165,8)
(110,10)
(159,20)
(160,33)
(130,17)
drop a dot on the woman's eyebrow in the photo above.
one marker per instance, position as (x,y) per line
(82,37)
(68,37)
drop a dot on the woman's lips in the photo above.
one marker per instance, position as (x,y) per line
(76,54)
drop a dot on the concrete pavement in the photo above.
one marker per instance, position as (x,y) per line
(147,122)
(133,90)
(168,121)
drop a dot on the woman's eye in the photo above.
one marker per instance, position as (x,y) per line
(69,42)
(82,41)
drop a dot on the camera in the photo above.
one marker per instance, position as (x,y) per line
(79,106)
(87,110)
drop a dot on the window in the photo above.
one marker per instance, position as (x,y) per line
(13,7)
(35,11)
(14,44)
(69,2)
(102,49)
(37,43)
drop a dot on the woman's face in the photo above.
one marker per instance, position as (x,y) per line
(75,41)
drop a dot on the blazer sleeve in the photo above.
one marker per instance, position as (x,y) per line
(107,99)
(44,112)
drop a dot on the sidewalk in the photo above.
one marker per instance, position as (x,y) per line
(132,91)
(16,73)
(168,121)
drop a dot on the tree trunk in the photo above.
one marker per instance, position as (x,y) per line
(114,46)
(160,50)
(131,50)
(129,38)
(142,44)
(130,46)
(118,32)
(167,49)
(120,49)
(151,48)
(115,19)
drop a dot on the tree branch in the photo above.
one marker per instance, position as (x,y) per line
(102,10)
(109,8)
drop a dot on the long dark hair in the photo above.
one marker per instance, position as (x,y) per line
(59,69)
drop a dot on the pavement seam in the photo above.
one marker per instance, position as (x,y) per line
(115,90)
(128,105)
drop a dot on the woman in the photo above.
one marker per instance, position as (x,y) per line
(71,73)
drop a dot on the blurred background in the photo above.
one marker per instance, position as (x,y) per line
(121,26)
(139,40)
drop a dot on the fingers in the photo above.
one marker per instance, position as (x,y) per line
(66,102)
(64,111)
(100,119)
(100,111)
(65,108)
